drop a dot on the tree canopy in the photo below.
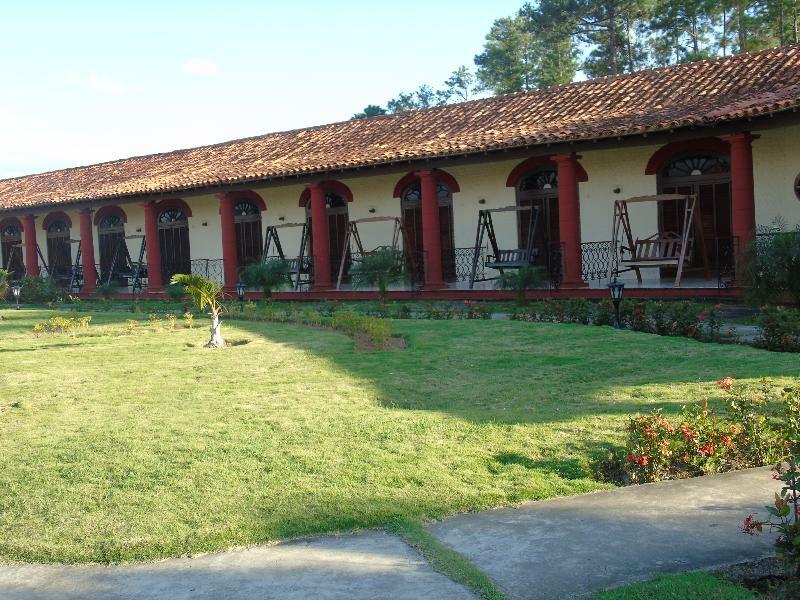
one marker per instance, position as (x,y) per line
(552,42)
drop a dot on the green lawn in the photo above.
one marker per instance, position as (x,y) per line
(685,586)
(145,445)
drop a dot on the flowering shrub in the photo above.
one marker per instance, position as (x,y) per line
(59,324)
(703,441)
(476,310)
(780,329)
(783,518)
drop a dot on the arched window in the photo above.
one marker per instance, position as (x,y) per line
(336,207)
(249,237)
(707,176)
(539,188)
(411,206)
(114,254)
(59,249)
(11,245)
(173,238)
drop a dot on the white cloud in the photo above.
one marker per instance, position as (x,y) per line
(105,85)
(94,82)
(200,66)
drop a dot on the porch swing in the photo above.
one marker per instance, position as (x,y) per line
(503,259)
(122,267)
(399,234)
(663,248)
(299,269)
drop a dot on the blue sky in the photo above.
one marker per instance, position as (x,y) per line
(87,81)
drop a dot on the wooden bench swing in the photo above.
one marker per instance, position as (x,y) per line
(299,269)
(503,259)
(399,235)
(662,249)
(123,267)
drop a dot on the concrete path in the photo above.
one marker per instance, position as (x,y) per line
(560,548)
(367,565)
(569,547)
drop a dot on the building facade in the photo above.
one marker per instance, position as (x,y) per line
(211,210)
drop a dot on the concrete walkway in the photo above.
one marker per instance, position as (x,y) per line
(569,547)
(366,565)
(560,548)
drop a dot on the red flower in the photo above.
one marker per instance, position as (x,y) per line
(726,383)
(686,457)
(751,525)
(707,449)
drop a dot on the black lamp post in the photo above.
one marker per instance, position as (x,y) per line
(615,288)
(240,287)
(16,289)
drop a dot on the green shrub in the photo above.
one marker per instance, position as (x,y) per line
(780,329)
(377,330)
(5,284)
(106,291)
(270,275)
(771,265)
(520,280)
(379,269)
(175,292)
(39,289)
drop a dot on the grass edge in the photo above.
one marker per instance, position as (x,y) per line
(444,559)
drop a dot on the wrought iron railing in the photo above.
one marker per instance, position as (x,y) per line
(458,267)
(594,260)
(210,268)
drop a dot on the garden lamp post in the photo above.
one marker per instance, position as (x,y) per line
(240,287)
(615,288)
(16,289)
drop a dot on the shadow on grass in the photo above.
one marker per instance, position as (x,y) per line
(509,372)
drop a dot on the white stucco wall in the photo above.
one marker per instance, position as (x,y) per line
(776,163)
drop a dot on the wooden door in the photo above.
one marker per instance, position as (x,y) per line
(249,236)
(173,239)
(11,246)
(59,250)
(112,246)
(411,207)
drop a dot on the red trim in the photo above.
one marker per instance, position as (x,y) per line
(250,196)
(335,187)
(537,162)
(163,205)
(665,153)
(29,240)
(105,211)
(55,216)
(405,181)
(411,178)
(12,221)
(526,166)
(87,251)
(230,260)
(152,247)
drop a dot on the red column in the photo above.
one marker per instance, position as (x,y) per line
(31,257)
(152,247)
(321,238)
(569,219)
(743,203)
(431,233)
(87,251)
(230,259)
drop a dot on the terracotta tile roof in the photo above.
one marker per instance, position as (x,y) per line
(692,94)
